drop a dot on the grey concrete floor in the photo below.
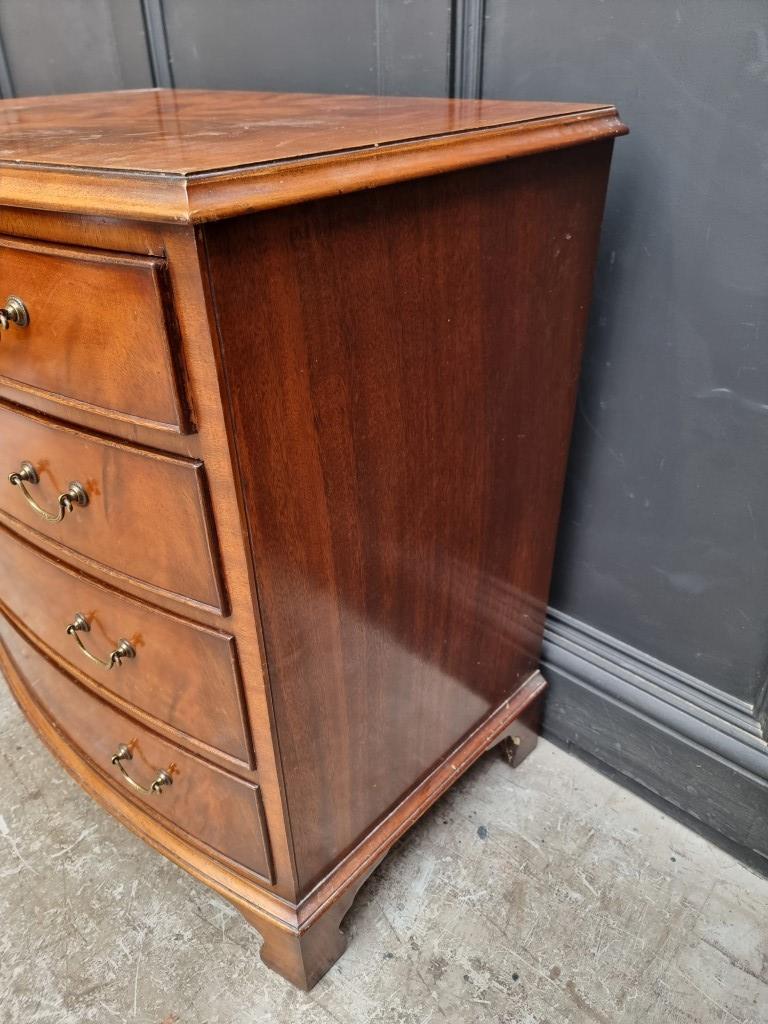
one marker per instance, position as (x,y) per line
(539,896)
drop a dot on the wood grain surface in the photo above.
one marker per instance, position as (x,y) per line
(196,155)
(134,494)
(101,334)
(209,805)
(190,130)
(184,674)
(402,372)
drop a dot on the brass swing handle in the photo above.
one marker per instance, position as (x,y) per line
(124,649)
(75,495)
(13,312)
(163,777)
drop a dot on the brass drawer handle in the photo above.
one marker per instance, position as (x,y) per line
(124,649)
(75,495)
(14,312)
(163,778)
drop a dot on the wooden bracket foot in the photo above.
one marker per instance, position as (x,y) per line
(302,956)
(519,740)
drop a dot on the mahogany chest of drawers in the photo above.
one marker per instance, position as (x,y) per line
(286,390)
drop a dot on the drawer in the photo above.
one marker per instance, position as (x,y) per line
(184,674)
(206,804)
(100,335)
(147,517)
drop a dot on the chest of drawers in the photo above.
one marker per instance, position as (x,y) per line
(286,391)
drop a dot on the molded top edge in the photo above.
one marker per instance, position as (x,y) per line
(190,155)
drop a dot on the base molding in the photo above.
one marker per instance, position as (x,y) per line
(353,870)
(301,940)
(692,746)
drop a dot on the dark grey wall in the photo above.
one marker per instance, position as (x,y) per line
(371,46)
(664,537)
(657,646)
(73,46)
(665,534)
(360,46)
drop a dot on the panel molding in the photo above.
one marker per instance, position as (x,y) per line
(157,43)
(467,49)
(761,708)
(662,694)
(7,90)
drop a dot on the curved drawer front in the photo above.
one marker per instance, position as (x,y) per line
(98,334)
(146,517)
(182,673)
(206,804)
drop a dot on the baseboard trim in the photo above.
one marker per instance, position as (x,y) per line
(674,737)
(669,698)
(752,859)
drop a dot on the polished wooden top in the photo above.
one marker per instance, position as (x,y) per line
(195,155)
(189,131)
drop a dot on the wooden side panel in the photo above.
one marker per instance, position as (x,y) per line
(402,367)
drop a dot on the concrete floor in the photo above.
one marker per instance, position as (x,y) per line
(539,896)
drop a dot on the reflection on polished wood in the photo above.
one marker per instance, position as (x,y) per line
(188,131)
(322,426)
(403,460)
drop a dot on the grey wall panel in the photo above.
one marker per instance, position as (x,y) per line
(367,46)
(6,84)
(414,47)
(74,46)
(664,539)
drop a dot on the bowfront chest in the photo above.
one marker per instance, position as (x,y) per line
(286,391)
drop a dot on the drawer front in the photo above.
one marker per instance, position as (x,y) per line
(179,672)
(146,518)
(207,804)
(99,335)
